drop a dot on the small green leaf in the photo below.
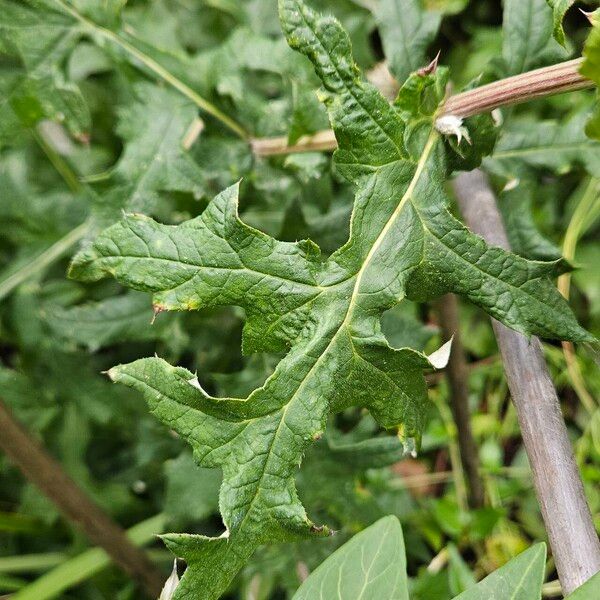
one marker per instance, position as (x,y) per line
(559,9)
(406,30)
(459,575)
(192,493)
(371,566)
(554,145)
(516,204)
(519,579)
(41,40)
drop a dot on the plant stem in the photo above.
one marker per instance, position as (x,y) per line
(47,474)
(58,162)
(157,69)
(586,212)
(31,562)
(41,261)
(460,488)
(556,79)
(457,375)
(85,565)
(558,486)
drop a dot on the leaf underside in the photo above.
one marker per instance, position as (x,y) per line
(324,313)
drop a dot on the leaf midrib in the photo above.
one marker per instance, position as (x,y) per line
(379,240)
(515,153)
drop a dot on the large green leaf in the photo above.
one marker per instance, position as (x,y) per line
(372,565)
(324,313)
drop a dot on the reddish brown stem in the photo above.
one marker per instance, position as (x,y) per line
(48,475)
(458,379)
(556,79)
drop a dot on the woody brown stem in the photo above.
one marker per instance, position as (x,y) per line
(547,81)
(48,475)
(457,375)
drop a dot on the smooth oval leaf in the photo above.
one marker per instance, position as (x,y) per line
(371,566)
(519,579)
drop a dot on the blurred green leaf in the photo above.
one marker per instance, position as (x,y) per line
(527,30)
(407,30)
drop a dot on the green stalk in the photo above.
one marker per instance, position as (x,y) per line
(86,565)
(455,462)
(41,261)
(158,70)
(584,215)
(8,583)
(29,563)
(586,212)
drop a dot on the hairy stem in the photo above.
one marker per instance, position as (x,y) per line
(457,375)
(48,475)
(558,486)
(556,79)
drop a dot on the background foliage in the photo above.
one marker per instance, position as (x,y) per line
(120,108)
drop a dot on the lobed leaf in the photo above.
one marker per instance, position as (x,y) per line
(324,313)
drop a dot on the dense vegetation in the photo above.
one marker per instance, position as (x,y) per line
(279,310)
